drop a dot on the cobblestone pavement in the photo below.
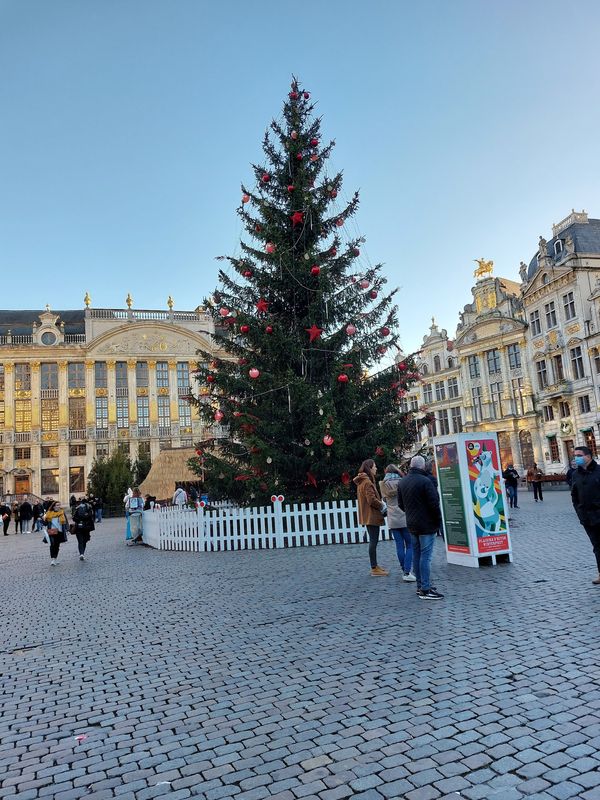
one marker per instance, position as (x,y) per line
(293,674)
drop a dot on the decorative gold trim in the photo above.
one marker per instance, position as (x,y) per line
(123,433)
(172,364)
(573,328)
(131,363)
(101,392)
(110,364)
(35,366)
(89,364)
(8,368)
(23,394)
(151,364)
(49,437)
(163,391)
(142,391)
(62,365)
(76,392)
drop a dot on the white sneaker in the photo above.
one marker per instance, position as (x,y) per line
(53,562)
(82,558)
(409,578)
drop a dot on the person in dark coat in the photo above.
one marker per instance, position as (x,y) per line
(511,480)
(83,520)
(38,513)
(570,471)
(26,513)
(585,494)
(5,514)
(17,517)
(418,497)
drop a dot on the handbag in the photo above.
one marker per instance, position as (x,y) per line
(65,532)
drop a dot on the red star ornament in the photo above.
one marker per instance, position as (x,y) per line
(313,332)
(297,218)
(262,306)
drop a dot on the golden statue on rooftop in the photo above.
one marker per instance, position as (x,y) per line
(484,269)
(129,300)
(87,299)
(170,303)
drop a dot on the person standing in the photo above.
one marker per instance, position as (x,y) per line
(585,494)
(418,497)
(570,471)
(370,511)
(5,513)
(17,517)
(56,521)
(83,520)
(511,480)
(396,520)
(180,497)
(98,508)
(38,513)
(534,477)
(135,507)
(26,514)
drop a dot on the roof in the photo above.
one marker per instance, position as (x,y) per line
(586,239)
(169,467)
(511,287)
(21,322)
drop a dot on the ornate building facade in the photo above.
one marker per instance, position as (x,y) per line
(77,385)
(525,360)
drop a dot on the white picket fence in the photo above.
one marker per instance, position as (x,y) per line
(232,528)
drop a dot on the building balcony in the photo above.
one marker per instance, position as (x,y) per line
(559,389)
(74,338)
(48,394)
(24,436)
(77,433)
(101,433)
(164,431)
(143,433)
(121,391)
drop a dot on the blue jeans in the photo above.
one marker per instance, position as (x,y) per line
(98,515)
(511,492)
(422,553)
(403,548)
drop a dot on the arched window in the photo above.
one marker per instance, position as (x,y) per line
(424,369)
(450,362)
(437,365)
(558,247)
(545,278)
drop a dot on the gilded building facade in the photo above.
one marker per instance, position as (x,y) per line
(77,385)
(525,359)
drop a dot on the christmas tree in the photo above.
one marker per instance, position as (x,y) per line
(302,322)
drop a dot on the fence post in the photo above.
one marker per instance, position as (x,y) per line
(278,521)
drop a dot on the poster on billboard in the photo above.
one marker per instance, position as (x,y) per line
(451,497)
(487,499)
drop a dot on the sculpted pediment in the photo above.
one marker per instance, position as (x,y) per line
(150,341)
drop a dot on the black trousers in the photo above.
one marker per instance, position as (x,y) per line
(5,524)
(373,531)
(82,540)
(55,545)
(593,531)
(537,490)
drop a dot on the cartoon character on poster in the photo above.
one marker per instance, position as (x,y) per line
(486,490)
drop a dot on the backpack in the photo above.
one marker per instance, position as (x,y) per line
(84,515)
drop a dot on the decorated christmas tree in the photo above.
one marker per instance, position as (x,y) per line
(302,323)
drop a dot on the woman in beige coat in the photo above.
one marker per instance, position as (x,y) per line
(370,510)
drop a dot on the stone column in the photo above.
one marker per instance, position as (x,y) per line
(111,383)
(90,397)
(174,401)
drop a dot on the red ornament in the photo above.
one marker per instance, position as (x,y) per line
(262,306)
(293,95)
(224,312)
(198,452)
(254,373)
(313,332)
(373,294)
(343,378)
(291,188)
(242,361)
(266,178)
(356,251)
(333,252)
(346,478)
(315,270)
(270,248)
(245,198)
(257,228)
(350,330)
(298,156)
(306,95)
(219,416)
(247,273)
(210,378)
(402,366)
(314,142)
(385,331)
(314,157)
(297,218)
(339,222)
(328,440)
(379,451)
(333,193)
(244,328)
(364,284)
(310,478)
(269,329)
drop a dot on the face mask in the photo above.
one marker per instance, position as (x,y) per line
(580,461)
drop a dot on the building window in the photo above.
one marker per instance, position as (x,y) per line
(440,390)
(554,451)
(50,451)
(590,441)
(49,376)
(22,377)
(144,450)
(577,362)
(121,375)
(493,361)
(102,412)
(432,428)
(565,409)
(558,247)
(162,374)
(423,370)
(143,412)
(518,400)
(514,356)
(550,312)
(534,321)
(123,447)
(2,417)
(496,399)
(1,377)
(569,305)
(164,412)
(597,361)
(427,393)
(437,365)
(141,374)
(77,413)
(474,371)
(50,414)
(444,424)
(23,453)
(49,481)
(122,412)
(76,480)
(185,413)
(102,450)
(584,404)
(477,404)
(450,363)
(548,413)
(557,368)
(183,376)
(22,416)
(542,374)
(100,375)
(76,375)
(452,387)
(76,450)
(456,415)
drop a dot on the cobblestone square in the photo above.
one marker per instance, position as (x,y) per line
(293,674)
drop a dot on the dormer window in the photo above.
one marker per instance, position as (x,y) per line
(450,363)
(558,247)
(437,365)
(545,278)
(48,337)
(424,369)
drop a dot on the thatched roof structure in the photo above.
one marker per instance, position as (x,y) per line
(167,469)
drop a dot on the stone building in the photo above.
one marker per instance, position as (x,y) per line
(525,359)
(76,385)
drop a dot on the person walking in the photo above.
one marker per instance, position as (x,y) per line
(26,514)
(135,507)
(5,513)
(180,497)
(396,520)
(38,513)
(534,477)
(418,497)
(585,494)
(56,522)
(17,517)
(83,521)
(570,471)
(511,480)
(370,511)
(98,508)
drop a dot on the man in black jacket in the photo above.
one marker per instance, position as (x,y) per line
(418,497)
(585,493)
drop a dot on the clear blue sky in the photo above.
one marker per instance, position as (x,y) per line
(127,127)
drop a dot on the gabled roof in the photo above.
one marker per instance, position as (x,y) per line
(21,322)
(586,239)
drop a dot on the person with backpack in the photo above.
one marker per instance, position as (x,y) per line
(396,520)
(134,506)
(83,525)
